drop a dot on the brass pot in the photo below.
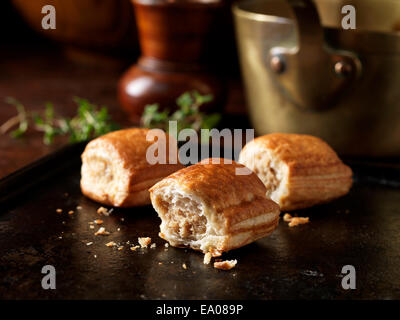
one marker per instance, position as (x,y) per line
(304,74)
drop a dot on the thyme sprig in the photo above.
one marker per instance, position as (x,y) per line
(188,114)
(90,121)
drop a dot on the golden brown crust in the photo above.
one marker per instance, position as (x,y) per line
(304,154)
(122,152)
(131,146)
(235,206)
(218,185)
(311,172)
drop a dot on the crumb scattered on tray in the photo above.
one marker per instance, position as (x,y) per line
(91,226)
(287,217)
(59,210)
(166,245)
(78,208)
(104,211)
(110,244)
(184,266)
(153,245)
(298,220)
(207,258)
(144,241)
(89,243)
(102,231)
(120,248)
(71,212)
(98,221)
(295,221)
(134,248)
(225,265)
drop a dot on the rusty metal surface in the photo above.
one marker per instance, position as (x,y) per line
(361,229)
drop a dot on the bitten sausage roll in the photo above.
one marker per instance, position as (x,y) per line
(208,207)
(115,170)
(299,171)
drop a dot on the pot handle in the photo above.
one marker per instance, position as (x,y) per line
(312,75)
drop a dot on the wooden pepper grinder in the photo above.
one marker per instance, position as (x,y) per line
(176,38)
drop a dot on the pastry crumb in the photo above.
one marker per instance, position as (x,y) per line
(295,221)
(110,244)
(144,241)
(215,253)
(59,210)
(166,245)
(134,248)
(89,243)
(98,221)
(71,212)
(287,217)
(153,245)
(102,231)
(225,265)
(78,208)
(104,211)
(120,248)
(91,226)
(184,266)
(207,258)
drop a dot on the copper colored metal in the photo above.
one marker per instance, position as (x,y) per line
(340,85)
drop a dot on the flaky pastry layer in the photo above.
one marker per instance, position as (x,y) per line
(210,208)
(298,171)
(116,172)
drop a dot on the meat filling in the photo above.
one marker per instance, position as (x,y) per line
(268,176)
(183,217)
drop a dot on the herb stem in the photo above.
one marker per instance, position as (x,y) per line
(6,126)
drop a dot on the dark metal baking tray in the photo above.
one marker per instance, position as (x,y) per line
(305,262)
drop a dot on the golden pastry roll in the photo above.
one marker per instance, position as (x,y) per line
(116,170)
(299,171)
(210,208)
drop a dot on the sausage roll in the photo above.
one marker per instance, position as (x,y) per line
(116,172)
(299,171)
(208,207)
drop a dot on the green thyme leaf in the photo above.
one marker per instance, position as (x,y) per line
(89,122)
(187,115)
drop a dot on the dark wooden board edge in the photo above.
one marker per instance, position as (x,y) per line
(21,181)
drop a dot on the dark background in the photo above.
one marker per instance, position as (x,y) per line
(35,70)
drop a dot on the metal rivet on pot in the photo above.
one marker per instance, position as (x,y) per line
(343,68)
(277,64)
